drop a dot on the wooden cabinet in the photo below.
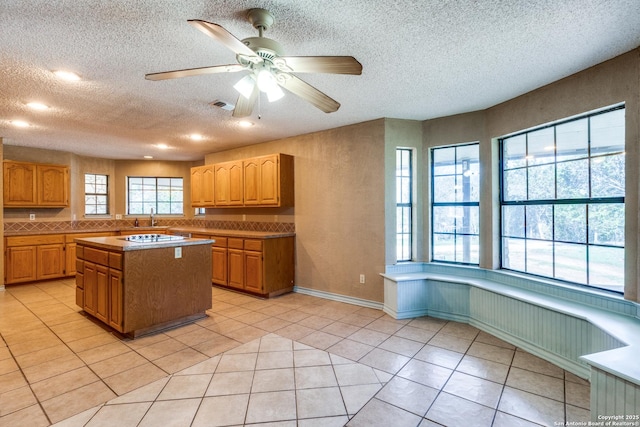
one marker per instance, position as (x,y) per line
(253,266)
(268,181)
(50,261)
(100,282)
(265,181)
(258,266)
(52,186)
(139,290)
(29,258)
(116,304)
(20,264)
(70,249)
(19,184)
(202,186)
(29,185)
(228,182)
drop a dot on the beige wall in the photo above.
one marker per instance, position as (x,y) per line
(609,83)
(339,209)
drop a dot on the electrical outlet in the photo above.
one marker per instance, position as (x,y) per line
(32,217)
(178,252)
(362,278)
(118,216)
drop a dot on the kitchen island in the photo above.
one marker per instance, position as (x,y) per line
(143,283)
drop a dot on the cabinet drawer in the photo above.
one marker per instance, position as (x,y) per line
(253,245)
(115,260)
(96,255)
(80,280)
(34,240)
(220,242)
(79,265)
(235,243)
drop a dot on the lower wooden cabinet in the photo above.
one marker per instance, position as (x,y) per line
(262,266)
(99,283)
(29,258)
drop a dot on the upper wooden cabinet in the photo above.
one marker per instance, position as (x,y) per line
(29,185)
(202,186)
(229,189)
(268,181)
(257,182)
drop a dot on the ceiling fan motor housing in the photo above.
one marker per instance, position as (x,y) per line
(264,47)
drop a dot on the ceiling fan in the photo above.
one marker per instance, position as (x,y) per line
(269,69)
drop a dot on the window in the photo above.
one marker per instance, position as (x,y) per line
(163,195)
(404,207)
(562,200)
(455,204)
(96,194)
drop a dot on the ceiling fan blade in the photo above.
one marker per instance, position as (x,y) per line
(232,68)
(215,31)
(319,64)
(244,106)
(308,93)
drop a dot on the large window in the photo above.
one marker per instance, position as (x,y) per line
(163,195)
(96,194)
(455,211)
(562,200)
(404,204)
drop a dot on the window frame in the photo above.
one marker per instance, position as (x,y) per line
(454,204)
(555,202)
(404,229)
(155,202)
(96,195)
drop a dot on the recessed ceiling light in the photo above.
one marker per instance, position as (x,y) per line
(162,146)
(37,106)
(245,124)
(148,157)
(196,137)
(20,123)
(67,75)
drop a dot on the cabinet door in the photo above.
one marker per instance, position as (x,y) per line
(50,261)
(52,185)
(219,266)
(236,268)
(202,186)
(251,181)
(90,287)
(70,259)
(21,264)
(115,299)
(221,184)
(196,187)
(269,181)
(102,293)
(236,186)
(19,184)
(208,188)
(253,271)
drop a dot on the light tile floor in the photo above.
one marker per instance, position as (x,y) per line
(294,360)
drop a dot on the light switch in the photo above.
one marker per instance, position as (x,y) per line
(178,252)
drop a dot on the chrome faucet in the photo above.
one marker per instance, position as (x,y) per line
(153,221)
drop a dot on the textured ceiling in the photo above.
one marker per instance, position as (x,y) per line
(421,59)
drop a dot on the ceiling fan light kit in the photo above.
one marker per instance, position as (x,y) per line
(269,68)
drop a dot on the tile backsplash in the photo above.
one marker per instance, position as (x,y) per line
(18,227)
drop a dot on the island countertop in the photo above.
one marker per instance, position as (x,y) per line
(127,243)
